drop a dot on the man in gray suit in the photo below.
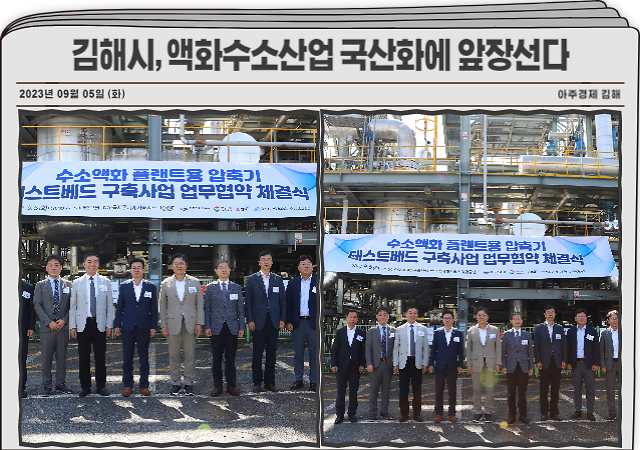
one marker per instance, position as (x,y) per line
(224,324)
(51,303)
(609,354)
(91,320)
(517,365)
(379,358)
(181,321)
(410,360)
(484,353)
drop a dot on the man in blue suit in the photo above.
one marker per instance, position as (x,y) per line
(27,327)
(137,316)
(583,359)
(347,361)
(550,352)
(265,308)
(301,321)
(224,325)
(446,358)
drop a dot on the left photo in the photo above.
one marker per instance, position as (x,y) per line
(168,277)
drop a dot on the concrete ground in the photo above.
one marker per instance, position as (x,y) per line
(566,432)
(283,417)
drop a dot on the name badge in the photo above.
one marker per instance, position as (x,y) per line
(26,294)
(558,336)
(65,290)
(590,337)
(391,335)
(525,342)
(192,290)
(456,339)
(420,333)
(276,289)
(103,288)
(359,338)
(492,336)
(233,296)
(147,294)
(313,289)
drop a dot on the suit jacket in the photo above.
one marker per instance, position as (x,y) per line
(373,347)
(401,346)
(514,351)
(43,303)
(492,348)
(544,346)
(258,301)
(343,355)
(606,348)
(143,312)
(28,313)
(591,346)
(218,310)
(443,354)
(293,301)
(171,308)
(79,300)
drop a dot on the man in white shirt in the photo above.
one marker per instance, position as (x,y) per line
(609,358)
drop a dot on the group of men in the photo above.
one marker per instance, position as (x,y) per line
(405,351)
(84,310)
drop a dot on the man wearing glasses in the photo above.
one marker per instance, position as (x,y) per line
(265,308)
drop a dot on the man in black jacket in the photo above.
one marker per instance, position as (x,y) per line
(27,326)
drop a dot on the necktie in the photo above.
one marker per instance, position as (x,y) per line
(56,301)
(412,342)
(384,342)
(225,293)
(92,297)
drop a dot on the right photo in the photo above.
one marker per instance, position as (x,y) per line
(470,279)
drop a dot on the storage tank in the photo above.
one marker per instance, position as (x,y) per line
(72,138)
(401,217)
(240,153)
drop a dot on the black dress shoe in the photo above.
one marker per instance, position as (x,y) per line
(477,418)
(270,388)
(46,392)
(216,392)
(175,389)
(257,389)
(313,387)
(386,416)
(188,390)
(373,417)
(525,420)
(556,417)
(339,419)
(24,394)
(297,385)
(231,390)
(83,392)
(544,417)
(591,417)
(403,419)
(611,416)
(511,419)
(103,392)
(63,388)
(488,418)
(353,419)
(576,415)
(418,418)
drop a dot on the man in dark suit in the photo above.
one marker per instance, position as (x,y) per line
(27,327)
(517,365)
(224,324)
(301,321)
(137,315)
(379,358)
(446,359)
(265,308)
(51,300)
(609,355)
(347,361)
(550,351)
(583,359)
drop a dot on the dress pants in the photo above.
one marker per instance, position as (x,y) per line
(450,375)
(517,380)
(352,377)
(54,342)
(224,343)
(611,380)
(302,335)
(380,378)
(24,351)
(486,378)
(410,374)
(550,376)
(187,341)
(581,372)
(92,336)
(266,337)
(131,339)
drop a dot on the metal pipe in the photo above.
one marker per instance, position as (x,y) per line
(550,222)
(484,170)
